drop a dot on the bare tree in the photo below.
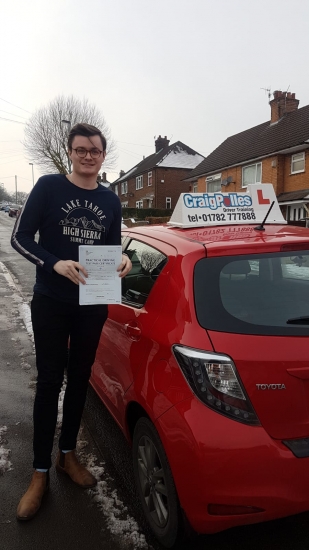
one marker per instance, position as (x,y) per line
(46,134)
(4,195)
(20,196)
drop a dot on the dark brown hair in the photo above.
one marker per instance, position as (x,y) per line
(87,130)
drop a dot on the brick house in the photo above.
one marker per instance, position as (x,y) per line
(157,181)
(103,180)
(276,152)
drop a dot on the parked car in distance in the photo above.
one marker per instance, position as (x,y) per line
(204,364)
(5,208)
(14,210)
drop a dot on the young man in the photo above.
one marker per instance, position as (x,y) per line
(67,210)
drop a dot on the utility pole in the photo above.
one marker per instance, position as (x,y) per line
(31,164)
(16,188)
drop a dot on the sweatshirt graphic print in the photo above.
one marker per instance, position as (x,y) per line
(65,216)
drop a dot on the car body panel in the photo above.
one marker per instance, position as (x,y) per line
(270,371)
(127,340)
(214,459)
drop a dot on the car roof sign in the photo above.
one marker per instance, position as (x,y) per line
(204,209)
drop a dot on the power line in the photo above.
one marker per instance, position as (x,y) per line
(8,113)
(131,153)
(10,161)
(128,143)
(11,120)
(15,105)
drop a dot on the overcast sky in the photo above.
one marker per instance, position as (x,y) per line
(191,70)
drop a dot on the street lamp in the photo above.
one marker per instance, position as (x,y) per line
(31,164)
(68,122)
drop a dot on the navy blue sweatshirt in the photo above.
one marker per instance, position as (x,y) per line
(65,216)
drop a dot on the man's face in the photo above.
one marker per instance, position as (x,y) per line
(86,166)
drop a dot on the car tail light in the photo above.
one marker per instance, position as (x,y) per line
(213,378)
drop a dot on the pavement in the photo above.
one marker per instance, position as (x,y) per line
(70,518)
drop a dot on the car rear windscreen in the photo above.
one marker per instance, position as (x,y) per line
(254,294)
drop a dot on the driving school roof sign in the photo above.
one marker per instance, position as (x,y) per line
(201,209)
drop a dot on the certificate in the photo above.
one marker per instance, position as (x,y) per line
(103,284)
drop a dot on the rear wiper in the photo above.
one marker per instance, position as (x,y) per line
(298,321)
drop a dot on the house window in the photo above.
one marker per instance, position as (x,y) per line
(194,189)
(124,187)
(139,204)
(149,178)
(125,204)
(252,174)
(116,189)
(139,182)
(298,163)
(213,183)
(168,202)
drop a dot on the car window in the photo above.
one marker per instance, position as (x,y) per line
(260,294)
(147,264)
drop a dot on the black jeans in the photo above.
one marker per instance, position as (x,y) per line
(54,324)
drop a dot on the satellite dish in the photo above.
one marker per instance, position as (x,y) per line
(227,181)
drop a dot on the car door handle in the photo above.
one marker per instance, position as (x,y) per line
(133,332)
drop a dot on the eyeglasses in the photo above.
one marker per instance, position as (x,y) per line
(82,152)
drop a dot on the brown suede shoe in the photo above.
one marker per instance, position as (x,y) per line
(31,501)
(67,463)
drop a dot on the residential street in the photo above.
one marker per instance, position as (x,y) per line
(108,517)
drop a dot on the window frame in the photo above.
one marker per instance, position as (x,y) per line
(214,179)
(149,179)
(124,187)
(139,204)
(170,200)
(127,301)
(245,185)
(293,161)
(116,189)
(139,182)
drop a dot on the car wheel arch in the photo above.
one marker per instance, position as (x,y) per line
(134,412)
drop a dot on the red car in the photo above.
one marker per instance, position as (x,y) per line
(205,366)
(14,210)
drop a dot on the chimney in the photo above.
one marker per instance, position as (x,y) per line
(121,173)
(161,143)
(103,179)
(283,102)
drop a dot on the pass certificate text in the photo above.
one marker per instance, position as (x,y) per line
(103,284)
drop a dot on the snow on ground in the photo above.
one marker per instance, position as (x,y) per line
(5,463)
(119,522)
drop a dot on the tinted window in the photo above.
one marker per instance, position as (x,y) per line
(258,294)
(147,263)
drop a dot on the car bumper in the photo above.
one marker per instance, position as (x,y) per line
(218,461)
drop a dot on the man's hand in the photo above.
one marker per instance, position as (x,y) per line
(71,270)
(125,266)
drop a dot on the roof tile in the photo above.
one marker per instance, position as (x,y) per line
(262,140)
